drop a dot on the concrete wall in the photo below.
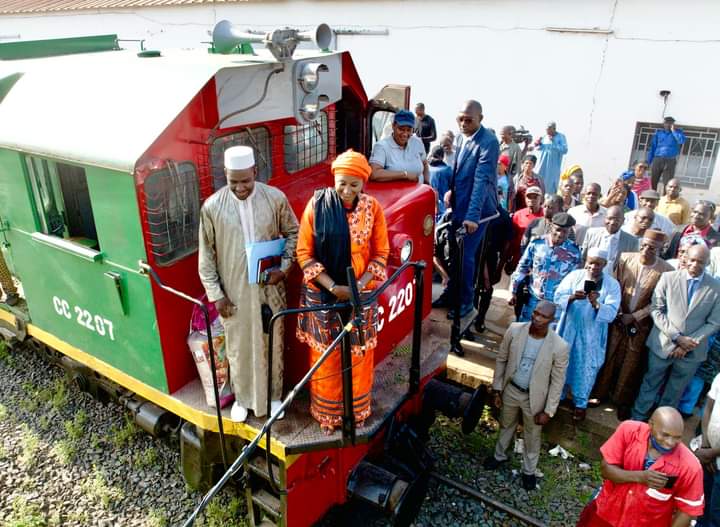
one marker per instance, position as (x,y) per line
(596,86)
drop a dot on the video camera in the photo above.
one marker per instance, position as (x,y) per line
(521,135)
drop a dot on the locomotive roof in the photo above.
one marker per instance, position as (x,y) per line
(107,108)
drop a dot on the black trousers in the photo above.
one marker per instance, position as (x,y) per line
(662,168)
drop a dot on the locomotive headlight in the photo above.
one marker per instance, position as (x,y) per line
(406,251)
(428,225)
(310,76)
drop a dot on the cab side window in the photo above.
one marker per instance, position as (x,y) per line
(306,145)
(62,201)
(258,138)
(172,207)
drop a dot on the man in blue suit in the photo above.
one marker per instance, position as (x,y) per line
(472,196)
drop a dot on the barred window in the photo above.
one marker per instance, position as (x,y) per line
(306,145)
(172,203)
(257,138)
(698,155)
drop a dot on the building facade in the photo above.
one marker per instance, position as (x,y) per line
(596,67)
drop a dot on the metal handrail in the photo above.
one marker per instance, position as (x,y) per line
(145,268)
(250,447)
(346,366)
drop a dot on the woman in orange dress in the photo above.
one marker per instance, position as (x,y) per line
(341,227)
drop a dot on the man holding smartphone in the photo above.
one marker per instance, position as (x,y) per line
(650,476)
(589,300)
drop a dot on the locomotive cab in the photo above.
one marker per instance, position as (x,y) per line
(105,160)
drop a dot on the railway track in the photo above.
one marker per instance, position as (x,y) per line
(118,475)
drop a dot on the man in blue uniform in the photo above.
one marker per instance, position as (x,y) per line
(663,153)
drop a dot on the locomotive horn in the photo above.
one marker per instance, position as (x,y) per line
(226,37)
(321,36)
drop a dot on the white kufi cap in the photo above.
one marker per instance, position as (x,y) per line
(596,252)
(239,158)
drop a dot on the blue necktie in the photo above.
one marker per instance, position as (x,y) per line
(692,286)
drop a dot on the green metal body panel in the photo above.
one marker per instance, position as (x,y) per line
(32,49)
(67,294)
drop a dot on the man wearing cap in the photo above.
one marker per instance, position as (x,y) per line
(672,205)
(650,198)
(546,261)
(663,152)
(540,227)
(401,156)
(529,375)
(589,300)
(521,219)
(610,238)
(638,273)
(241,213)
(589,214)
(472,195)
(552,146)
(700,218)
(424,126)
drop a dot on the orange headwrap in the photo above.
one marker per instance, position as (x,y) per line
(352,163)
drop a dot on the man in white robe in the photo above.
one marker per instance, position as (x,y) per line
(589,299)
(244,212)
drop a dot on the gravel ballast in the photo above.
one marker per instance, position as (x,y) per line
(67,459)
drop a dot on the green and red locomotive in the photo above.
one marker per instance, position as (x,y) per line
(106,156)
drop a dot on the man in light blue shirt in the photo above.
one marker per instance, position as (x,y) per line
(552,148)
(663,153)
(400,156)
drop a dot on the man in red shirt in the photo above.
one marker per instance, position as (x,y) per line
(651,477)
(520,220)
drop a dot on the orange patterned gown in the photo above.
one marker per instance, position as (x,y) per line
(369,252)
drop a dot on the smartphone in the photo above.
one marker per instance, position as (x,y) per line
(590,286)
(670,482)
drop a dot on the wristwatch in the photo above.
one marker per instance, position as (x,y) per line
(332,288)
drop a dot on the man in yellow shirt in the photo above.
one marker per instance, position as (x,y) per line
(674,206)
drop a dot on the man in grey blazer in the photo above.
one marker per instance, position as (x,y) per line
(685,311)
(610,238)
(529,377)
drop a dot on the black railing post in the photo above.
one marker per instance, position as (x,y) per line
(348,421)
(457,250)
(417,328)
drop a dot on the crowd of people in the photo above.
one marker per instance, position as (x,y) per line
(616,293)
(616,298)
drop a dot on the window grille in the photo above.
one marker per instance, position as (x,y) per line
(257,138)
(696,162)
(172,204)
(306,145)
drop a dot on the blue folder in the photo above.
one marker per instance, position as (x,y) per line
(259,250)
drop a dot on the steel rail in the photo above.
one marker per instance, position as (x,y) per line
(474,493)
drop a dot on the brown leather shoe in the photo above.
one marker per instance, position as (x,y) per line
(579,414)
